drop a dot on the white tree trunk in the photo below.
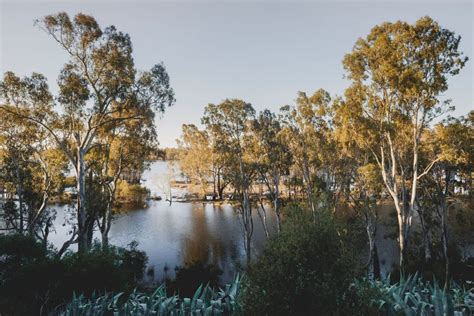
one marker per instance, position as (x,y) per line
(81,201)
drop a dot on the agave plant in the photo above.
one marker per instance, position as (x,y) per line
(205,301)
(413,297)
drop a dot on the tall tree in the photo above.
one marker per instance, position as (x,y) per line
(365,182)
(99,86)
(306,131)
(230,124)
(272,156)
(129,146)
(453,146)
(196,158)
(31,170)
(398,74)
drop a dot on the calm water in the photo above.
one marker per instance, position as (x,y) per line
(173,235)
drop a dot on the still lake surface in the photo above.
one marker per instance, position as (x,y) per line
(185,232)
(180,233)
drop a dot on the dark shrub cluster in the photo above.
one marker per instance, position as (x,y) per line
(305,270)
(33,279)
(190,276)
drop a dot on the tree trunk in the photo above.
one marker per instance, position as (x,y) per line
(247,248)
(444,225)
(104,229)
(278,215)
(89,232)
(214,191)
(105,240)
(373,262)
(263,217)
(309,187)
(248,224)
(426,236)
(444,234)
(276,198)
(376,263)
(246,212)
(401,245)
(81,199)
(221,193)
(444,222)
(20,198)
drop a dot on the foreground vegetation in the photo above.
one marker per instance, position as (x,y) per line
(311,267)
(409,297)
(313,272)
(34,280)
(205,301)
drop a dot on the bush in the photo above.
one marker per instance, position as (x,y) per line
(131,193)
(133,261)
(191,276)
(32,279)
(409,296)
(461,269)
(94,271)
(304,270)
(28,278)
(205,301)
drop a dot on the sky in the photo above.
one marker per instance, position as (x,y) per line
(262,52)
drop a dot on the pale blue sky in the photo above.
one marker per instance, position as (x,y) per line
(262,52)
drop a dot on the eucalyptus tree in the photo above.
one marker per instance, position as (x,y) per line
(200,161)
(398,73)
(31,170)
(272,156)
(306,130)
(230,125)
(452,143)
(196,158)
(365,188)
(99,87)
(220,181)
(366,195)
(129,146)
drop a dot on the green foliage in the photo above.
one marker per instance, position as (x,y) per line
(205,301)
(410,296)
(130,193)
(462,269)
(134,260)
(105,123)
(27,275)
(32,279)
(103,270)
(191,276)
(304,270)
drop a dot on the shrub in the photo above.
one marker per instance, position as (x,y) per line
(28,278)
(131,193)
(33,280)
(191,276)
(461,269)
(410,296)
(133,261)
(205,301)
(304,270)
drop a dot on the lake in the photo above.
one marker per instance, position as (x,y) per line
(180,233)
(185,232)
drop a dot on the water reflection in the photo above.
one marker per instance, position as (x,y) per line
(212,238)
(180,234)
